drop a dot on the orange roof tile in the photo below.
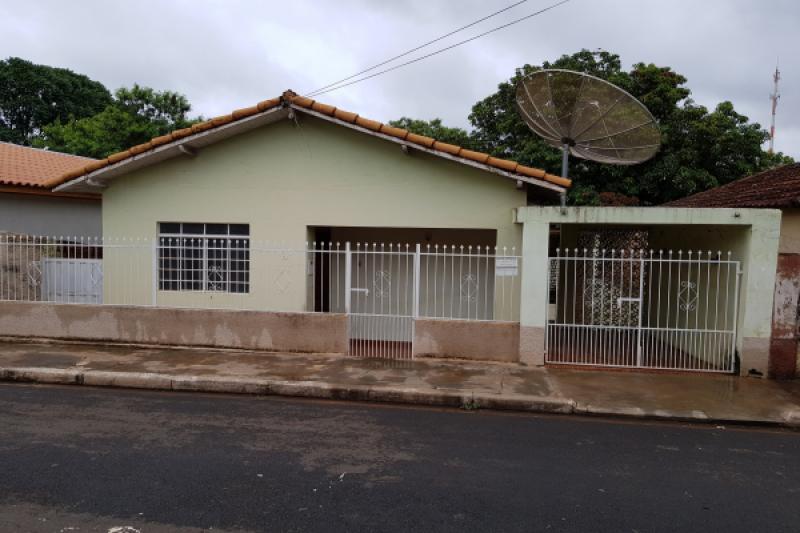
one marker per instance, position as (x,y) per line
(33,167)
(290,98)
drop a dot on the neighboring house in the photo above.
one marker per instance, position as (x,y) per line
(290,171)
(778,188)
(28,207)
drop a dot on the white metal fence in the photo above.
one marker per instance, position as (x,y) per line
(382,287)
(643,309)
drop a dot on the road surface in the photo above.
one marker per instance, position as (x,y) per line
(77,459)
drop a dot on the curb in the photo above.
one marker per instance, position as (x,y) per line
(327,391)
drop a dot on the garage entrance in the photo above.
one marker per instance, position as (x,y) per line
(616,303)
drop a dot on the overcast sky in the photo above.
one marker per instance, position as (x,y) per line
(229,54)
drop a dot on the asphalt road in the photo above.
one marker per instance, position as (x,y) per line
(77,459)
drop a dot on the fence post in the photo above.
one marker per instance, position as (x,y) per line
(348,268)
(416,279)
(154,281)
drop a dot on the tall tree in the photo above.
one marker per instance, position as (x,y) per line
(700,148)
(32,96)
(135,116)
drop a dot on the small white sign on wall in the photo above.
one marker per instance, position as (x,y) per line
(506,266)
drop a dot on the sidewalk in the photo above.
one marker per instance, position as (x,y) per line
(710,398)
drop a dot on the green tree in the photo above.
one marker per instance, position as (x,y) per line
(700,149)
(32,96)
(135,116)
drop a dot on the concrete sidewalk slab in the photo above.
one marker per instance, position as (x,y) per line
(707,398)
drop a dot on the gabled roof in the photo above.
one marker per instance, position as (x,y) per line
(777,187)
(33,167)
(201,134)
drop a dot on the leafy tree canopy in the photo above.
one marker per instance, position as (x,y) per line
(135,116)
(32,96)
(700,149)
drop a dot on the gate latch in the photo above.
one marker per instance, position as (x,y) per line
(360,289)
(627,299)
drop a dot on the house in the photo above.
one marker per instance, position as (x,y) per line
(289,171)
(777,188)
(29,207)
(334,232)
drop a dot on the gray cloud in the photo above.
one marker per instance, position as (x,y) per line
(225,55)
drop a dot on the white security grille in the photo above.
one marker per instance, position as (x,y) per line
(643,309)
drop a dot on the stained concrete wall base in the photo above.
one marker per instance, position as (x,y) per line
(754,356)
(531,345)
(465,339)
(249,330)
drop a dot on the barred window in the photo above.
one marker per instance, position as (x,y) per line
(203,257)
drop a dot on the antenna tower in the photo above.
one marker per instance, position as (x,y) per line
(774,97)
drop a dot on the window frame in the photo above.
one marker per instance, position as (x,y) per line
(234,250)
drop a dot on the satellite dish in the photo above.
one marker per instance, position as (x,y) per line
(587,117)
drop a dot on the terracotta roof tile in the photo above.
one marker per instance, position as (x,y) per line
(777,187)
(119,156)
(32,167)
(421,140)
(373,125)
(324,108)
(447,148)
(222,120)
(479,157)
(345,116)
(400,133)
(292,98)
(158,141)
(140,148)
(505,164)
(244,113)
(268,104)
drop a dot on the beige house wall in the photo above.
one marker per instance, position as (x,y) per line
(282,179)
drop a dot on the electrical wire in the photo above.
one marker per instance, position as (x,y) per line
(437,52)
(411,51)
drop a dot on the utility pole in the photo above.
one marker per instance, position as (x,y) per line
(774,97)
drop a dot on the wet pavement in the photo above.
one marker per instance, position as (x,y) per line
(679,396)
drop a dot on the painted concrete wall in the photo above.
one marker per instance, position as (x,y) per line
(283,179)
(463,339)
(755,241)
(30,214)
(250,330)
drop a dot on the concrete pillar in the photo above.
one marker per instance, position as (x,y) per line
(783,346)
(534,297)
(756,296)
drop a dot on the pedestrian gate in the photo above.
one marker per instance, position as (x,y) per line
(381,300)
(643,309)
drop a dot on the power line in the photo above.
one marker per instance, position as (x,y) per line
(411,51)
(439,51)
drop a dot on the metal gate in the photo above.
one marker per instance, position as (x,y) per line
(381,299)
(643,309)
